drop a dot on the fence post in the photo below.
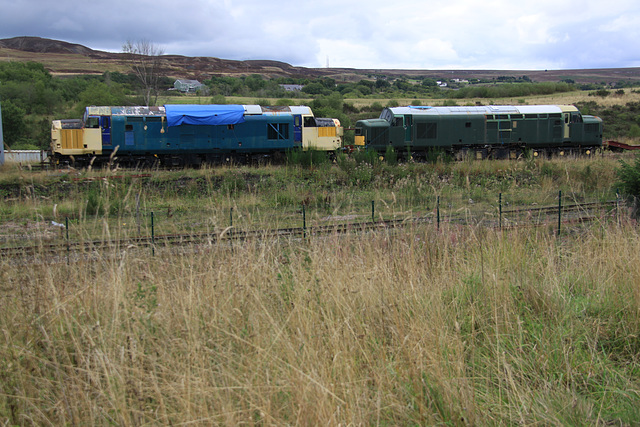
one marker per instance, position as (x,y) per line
(138,212)
(231,222)
(304,222)
(66,226)
(373,211)
(500,204)
(438,211)
(153,237)
(618,206)
(559,210)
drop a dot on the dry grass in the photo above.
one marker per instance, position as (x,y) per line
(462,327)
(554,99)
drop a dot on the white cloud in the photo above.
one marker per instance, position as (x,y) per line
(435,34)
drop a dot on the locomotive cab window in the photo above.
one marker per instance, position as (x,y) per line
(309,122)
(93,123)
(398,121)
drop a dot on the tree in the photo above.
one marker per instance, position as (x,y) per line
(144,57)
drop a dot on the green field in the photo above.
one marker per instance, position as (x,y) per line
(455,325)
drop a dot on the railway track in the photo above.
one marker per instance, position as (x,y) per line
(511,218)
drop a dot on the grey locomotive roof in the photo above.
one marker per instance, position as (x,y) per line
(489,109)
(161,110)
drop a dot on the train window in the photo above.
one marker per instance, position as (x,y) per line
(230,127)
(503,117)
(516,116)
(490,117)
(555,115)
(544,116)
(467,124)
(398,121)
(358,131)
(309,122)
(278,131)
(421,130)
(92,123)
(432,130)
(530,116)
(128,128)
(426,130)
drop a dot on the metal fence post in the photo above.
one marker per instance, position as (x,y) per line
(231,222)
(153,237)
(66,226)
(304,221)
(618,206)
(438,211)
(373,211)
(500,207)
(559,210)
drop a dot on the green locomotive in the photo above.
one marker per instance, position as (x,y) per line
(482,131)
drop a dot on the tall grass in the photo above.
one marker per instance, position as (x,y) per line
(464,327)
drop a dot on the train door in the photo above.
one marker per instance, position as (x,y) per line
(297,128)
(408,128)
(105,126)
(567,126)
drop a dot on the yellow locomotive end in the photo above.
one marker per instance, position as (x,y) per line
(71,138)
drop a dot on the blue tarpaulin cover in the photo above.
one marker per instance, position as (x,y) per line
(204,114)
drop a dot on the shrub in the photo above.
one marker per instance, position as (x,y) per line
(307,158)
(390,156)
(629,177)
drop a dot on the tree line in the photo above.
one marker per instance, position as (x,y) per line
(31,97)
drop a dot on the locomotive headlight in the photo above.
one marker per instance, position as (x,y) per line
(535,154)
(588,152)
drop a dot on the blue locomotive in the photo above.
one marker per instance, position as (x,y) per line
(176,135)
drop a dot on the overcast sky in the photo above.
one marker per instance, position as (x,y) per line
(381,34)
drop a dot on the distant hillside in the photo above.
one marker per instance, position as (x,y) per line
(61,58)
(40,45)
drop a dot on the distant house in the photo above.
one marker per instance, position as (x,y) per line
(187,86)
(292,88)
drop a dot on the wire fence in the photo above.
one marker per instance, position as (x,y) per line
(165,227)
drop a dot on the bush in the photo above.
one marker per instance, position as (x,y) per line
(390,156)
(218,99)
(629,177)
(307,158)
